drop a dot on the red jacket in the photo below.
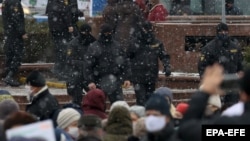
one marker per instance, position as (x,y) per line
(158,13)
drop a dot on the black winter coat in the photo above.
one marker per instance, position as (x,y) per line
(13,18)
(77,48)
(43,105)
(144,59)
(59,15)
(230,57)
(104,59)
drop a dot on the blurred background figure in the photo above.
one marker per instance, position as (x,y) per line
(14,33)
(157,11)
(76,50)
(61,28)
(231,9)
(109,14)
(106,65)
(7,106)
(145,53)
(18,119)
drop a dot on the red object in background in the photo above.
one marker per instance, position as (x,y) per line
(157,13)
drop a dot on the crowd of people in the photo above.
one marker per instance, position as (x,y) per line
(158,120)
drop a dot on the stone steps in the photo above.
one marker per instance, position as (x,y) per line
(183,85)
(179,96)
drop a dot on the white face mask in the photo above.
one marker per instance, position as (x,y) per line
(28,89)
(74,132)
(155,123)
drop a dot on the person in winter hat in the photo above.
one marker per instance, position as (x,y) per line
(158,121)
(42,103)
(4,94)
(168,94)
(17,119)
(94,103)
(223,50)
(68,121)
(136,112)
(119,103)
(119,125)
(76,50)
(145,71)
(7,107)
(90,125)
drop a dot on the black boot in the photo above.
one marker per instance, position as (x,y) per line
(9,80)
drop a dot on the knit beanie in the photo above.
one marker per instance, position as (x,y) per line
(36,79)
(4,95)
(166,92)
(158,103)
(138,110)
(119,103)
(66,117)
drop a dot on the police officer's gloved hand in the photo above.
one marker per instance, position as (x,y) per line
(167,71)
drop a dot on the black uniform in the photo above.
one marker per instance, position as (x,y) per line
(75,13)
(144,54)
(14,29)
(60,19)
(106,65)
(228,54)
(76,51)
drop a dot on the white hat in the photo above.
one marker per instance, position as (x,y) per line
(119,103)
(66,117)
(138,110)
(215,100)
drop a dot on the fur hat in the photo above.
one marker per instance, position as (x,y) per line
(138,110)
(166,92)
(119,118)
(7,107)
(90,121)
(158,103)
(4,95)
(140,128)
(36,79)
(118,104)
(221,27)
(66,117)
